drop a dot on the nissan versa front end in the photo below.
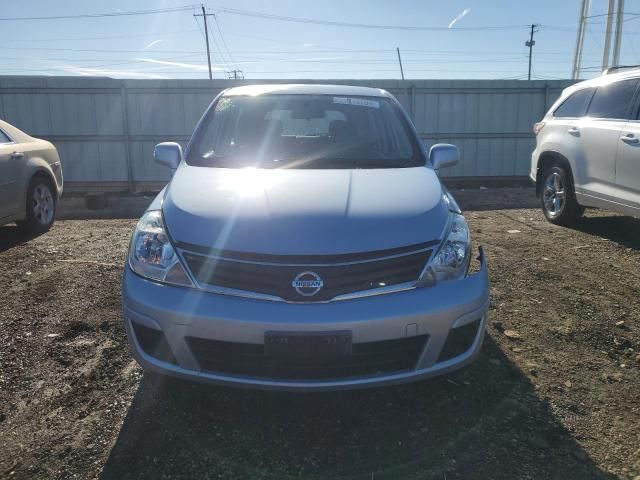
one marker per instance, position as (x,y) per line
(304,242)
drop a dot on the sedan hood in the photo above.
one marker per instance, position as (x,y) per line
(304,212)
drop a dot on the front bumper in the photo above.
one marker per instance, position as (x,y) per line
(182,313)
(533,172)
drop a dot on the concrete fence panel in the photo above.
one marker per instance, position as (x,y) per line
(105,129)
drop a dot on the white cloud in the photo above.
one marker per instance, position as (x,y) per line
(192,66)
(308,45)
(101,72)
(155,42)
(459,17)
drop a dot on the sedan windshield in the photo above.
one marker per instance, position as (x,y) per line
(304,131)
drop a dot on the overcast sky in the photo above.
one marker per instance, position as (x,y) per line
(460,38)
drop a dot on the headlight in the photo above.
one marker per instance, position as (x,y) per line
(451,261)
(152,256)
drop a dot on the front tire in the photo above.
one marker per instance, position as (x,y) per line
(557,197)
(41,206)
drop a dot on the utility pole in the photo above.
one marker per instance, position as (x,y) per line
(400,62)
(617,43)
(206,35)
(582,24)
(607,36)
(530,43)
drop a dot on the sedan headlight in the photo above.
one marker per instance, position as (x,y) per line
(151,254)
(451,261)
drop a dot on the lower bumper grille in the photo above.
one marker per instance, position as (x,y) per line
(459,340)
(153,343)
(367,359)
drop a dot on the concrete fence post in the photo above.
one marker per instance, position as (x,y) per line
(413,103)
(125,137)
(546,97)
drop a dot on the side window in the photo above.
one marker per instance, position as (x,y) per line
(4,138)
(613,100)
(219,135)
(576,105)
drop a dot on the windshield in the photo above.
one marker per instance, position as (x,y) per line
(304,131)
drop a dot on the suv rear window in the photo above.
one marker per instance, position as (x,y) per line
(576,105)
(613,100)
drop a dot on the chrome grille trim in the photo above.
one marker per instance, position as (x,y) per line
(302,265)
(217,289)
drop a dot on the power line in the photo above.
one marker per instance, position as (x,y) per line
(269,16)
(120,61)
(267,55)
(224,43)
(94,50)
(100,15)
(112,37)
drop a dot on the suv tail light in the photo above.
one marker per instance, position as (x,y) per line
(537,127)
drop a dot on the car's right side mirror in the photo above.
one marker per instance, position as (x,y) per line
(443,155)
(168,154)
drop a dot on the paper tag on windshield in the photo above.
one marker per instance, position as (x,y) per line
(359,102)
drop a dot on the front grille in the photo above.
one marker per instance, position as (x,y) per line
(340,274)
(367,359)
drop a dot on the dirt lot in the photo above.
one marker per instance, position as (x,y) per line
(555,394)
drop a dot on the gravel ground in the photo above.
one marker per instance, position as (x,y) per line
(555,393)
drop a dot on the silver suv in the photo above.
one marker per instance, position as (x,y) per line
(304,242)
(588,149)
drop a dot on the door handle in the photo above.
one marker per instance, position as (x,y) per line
(17,155)
(574,131)
(629,138)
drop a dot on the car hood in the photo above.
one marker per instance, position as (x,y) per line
(304,212)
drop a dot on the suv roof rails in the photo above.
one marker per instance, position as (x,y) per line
(617,68)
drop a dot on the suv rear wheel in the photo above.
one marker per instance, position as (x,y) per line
(557,198)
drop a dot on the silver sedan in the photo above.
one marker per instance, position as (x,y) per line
(30,180)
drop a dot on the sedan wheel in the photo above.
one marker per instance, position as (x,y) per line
(43,204)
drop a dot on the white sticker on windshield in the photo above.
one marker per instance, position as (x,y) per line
(359,102)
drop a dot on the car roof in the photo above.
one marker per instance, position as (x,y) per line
(306,89)
(604,79)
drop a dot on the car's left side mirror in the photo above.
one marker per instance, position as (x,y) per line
(168,154)
(443,155)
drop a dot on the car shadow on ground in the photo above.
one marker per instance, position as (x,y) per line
(483,422)
(496,198)
(623,230)
(11,236)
